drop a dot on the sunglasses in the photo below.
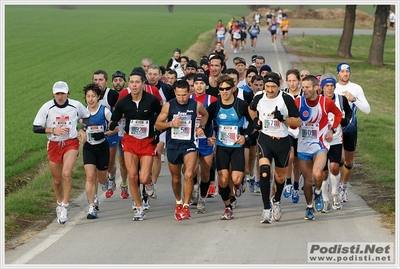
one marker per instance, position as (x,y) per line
(225,89)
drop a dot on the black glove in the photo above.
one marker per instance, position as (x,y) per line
(277,114)
(257,123)
(344,122)
(156,138)
(113,124)
(98,136)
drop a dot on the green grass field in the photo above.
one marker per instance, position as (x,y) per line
(70,44)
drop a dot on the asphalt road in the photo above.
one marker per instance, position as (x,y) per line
(114,240)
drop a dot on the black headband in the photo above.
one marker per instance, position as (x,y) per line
(272,79)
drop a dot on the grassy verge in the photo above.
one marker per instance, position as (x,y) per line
(374,168)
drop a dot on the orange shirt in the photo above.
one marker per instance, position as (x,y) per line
(284,25)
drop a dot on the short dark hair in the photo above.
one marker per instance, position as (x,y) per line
(92,87)
(189,76)
(182,84)
(232,71)
(295,72)
(173,72)
(225,78)
(311,78)
(257,77)
(99,72)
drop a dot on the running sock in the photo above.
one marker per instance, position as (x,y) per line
(325,191)
(335,182)
(279,189)
(288,181)
(180,202)
(204,188)
(296,185)
(317,191)
(124,184)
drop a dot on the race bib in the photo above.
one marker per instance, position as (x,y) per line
(92,130)
(309,131)
(65,123)
(139,128)
(183,132)
(270,124)
(228,134)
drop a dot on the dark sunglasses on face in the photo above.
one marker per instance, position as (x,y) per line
(225,89)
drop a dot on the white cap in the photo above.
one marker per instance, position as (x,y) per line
(60,86)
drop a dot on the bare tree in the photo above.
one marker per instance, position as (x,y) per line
(346,39)
(379,35)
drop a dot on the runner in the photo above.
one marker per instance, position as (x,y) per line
(228,114)
(140,110)
(58,119)
(178,117)
(328,85)
(313,143)
(355,94)
(96,152)
(205,152)
(109,99)
(272,112)
(220,31)
(294,90)
(254,31)
(118,81)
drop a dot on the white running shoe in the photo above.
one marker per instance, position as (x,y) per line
(276,210)
(336,204)
(140,214)
(149,189)
(266,216)
(62,214)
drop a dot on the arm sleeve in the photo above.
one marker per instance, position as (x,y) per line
(362,102)
(169,64)
(39,129)
(348,113)
(112,97)
(293,111)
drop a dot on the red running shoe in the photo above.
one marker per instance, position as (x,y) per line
(186,212)
(178,211)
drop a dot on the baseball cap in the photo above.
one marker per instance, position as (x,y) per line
(239,60)
(253,58)
(60,86)
(201,77)
(119,74)
(265,67)
(343,66)
(191,63)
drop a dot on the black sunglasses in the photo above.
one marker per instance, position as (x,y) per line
(225,89)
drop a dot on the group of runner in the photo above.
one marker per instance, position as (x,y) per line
(210,118)
(238,30)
